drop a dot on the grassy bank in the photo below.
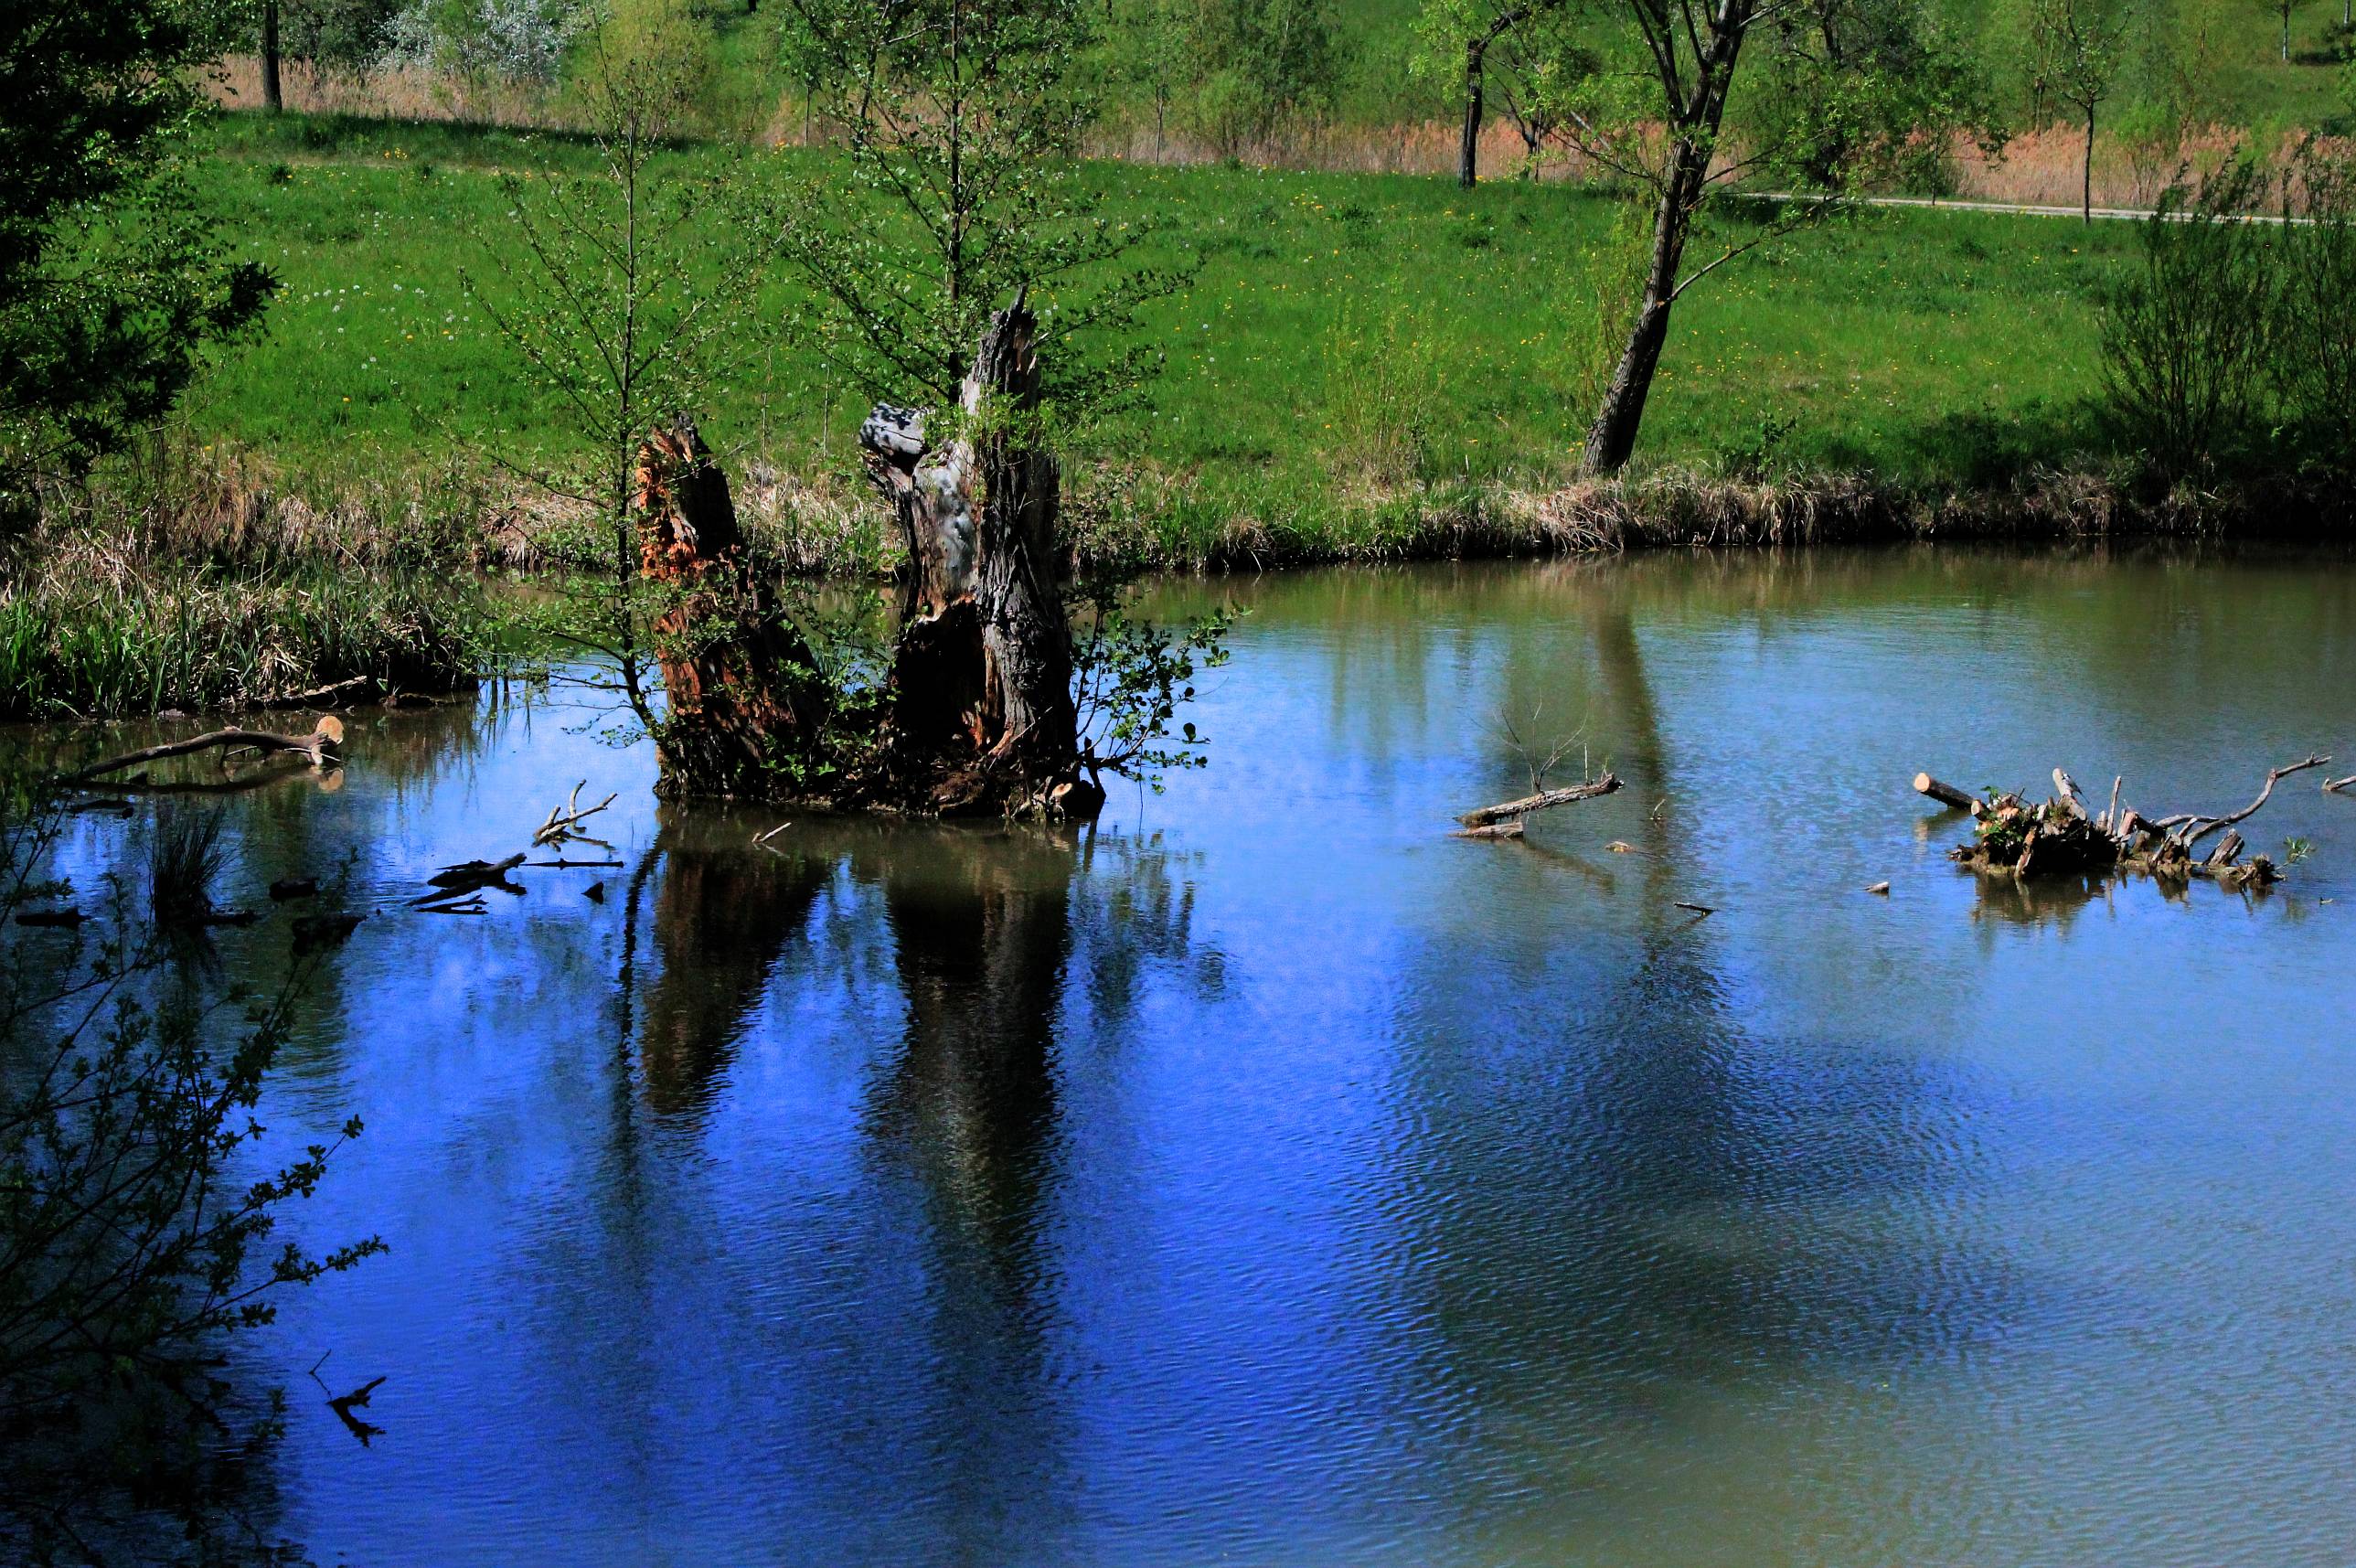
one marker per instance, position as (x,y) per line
(91,628)
(1353,347)
(1363,367)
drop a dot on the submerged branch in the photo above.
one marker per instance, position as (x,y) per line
(1570,794)
(322,746)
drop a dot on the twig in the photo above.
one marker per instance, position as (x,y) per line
(563,824)
(2274,776)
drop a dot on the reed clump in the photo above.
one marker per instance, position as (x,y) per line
(86,632)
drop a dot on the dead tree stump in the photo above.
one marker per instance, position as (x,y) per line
(981,678)
(740,682)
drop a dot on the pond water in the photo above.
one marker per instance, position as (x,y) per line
(1265,1177)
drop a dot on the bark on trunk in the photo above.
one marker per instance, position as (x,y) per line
(273,99)
(1468,147)
(2086,175)
(1612,438)
(1700,109)
(740,682)
(982,676)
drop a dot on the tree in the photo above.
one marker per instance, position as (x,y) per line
(273,92)
(960,121)
(1819,113)
(622,292)
(348,34)
(2282,9)
(1153,49)
(959,118)
(1473,28)
(2078,42)
(113,284)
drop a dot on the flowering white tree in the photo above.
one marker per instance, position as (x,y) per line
(517,40)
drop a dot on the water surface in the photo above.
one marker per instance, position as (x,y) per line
(1265,1177)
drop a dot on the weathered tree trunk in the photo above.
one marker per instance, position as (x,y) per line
(1544,799)
(273,99)
(982,676)
(741,684)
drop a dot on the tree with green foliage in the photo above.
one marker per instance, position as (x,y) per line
(1841,94)
(1151,46)
(1267,66)
(2080,48)
(2282,9)
(1540,54)
(113,284)
(601,285)
(335,35)
(960,120)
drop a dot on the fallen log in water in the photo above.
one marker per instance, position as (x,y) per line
(1947,795)
(322,746)
(2014,838)
(2337,786)
(1543,800)
(1512,830)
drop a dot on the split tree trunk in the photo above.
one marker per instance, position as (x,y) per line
(981,680)
(740,682)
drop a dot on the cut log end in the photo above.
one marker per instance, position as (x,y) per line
(1947,795)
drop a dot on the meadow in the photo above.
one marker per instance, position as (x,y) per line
(1353,353)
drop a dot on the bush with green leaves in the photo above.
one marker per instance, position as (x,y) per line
(139,1220)
(2315,330)
(113,283)
(2189,336)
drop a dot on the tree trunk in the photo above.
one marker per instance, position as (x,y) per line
(1468,148)
(2086,174)
(741,685)
(981,680)
(273,99)
(1613,435)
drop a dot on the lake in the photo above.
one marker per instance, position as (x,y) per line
(1264,1177)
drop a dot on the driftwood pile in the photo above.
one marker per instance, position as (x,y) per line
(2013,837)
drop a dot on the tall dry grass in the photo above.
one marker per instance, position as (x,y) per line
(397,94)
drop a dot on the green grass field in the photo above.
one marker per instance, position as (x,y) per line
(1917,347)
